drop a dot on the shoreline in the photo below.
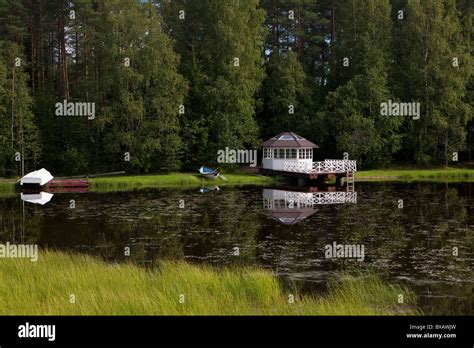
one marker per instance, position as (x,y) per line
(190,180)
(407,175)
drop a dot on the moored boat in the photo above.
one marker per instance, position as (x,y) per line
(208,172)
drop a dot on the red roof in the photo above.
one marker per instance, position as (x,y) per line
(288,139)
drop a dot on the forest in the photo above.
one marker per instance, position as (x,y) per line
(171,82)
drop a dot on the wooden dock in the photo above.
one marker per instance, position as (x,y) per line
(327,169)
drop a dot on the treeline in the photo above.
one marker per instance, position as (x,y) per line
(173,81)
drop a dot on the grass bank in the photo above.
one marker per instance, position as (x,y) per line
(435,174)
(174,180)
(7,188)
(44,288)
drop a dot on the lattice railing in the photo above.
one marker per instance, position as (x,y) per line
(334,197)
(299,198)
(297,167)
(326,166)
(335,166)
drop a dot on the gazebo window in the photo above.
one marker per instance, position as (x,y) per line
(267,153)
(291,153)
(305,153)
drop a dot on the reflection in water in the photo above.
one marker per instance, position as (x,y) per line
(413,245)
(290,206)
(209,189)
(37,198)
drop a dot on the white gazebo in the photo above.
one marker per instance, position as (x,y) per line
(287,149)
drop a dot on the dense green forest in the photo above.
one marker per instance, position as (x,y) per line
(173,81)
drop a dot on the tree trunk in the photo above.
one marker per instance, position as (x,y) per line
(13,107)
(333,32)
(62,52)
(33,48)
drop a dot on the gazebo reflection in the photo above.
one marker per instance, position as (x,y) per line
(293,205)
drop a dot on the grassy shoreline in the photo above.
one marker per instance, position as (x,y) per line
(434,174)
(184,180)
(175,180)
(44,288)
(7,187)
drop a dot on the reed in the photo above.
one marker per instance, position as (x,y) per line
(44,288)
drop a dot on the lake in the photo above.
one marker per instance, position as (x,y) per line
(417,234)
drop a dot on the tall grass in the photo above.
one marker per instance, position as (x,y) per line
(438,174)
(44,288)
(7,188)
(174,180)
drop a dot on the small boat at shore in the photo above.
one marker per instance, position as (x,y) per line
(208,172)
(43,180)
(37,178)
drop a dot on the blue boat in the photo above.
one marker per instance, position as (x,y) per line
(209,172)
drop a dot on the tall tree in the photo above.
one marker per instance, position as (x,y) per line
(220,45)
(19,136)
(352,116)
(143,89)
(434,70)
(287,97)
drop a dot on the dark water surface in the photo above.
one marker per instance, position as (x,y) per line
(274,229)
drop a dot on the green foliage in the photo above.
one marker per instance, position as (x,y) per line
(210,74)
(431,37)
(18,130)
(285,87)
(142,109)
(352,111)
(219,42)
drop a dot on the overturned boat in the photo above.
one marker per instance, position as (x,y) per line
(43,180)
(37,178)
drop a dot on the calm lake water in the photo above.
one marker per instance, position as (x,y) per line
(274,228)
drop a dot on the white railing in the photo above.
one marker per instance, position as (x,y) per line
(326,166)
(335,166)
(334,197)
(299,198)
(297,167)
(306,200)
